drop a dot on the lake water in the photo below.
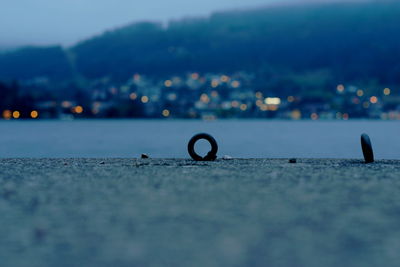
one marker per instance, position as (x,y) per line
(164,138)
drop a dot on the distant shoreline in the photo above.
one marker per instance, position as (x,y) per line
(183,119)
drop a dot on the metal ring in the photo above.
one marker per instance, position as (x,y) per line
(211,156)
(366,146)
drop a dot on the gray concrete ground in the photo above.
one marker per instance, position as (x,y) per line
(256,212)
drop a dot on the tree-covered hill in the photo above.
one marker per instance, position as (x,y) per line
(355,41)
(32,62)
(350,41)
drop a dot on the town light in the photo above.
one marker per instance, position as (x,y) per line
(272,101)
(16,114)
(34,114)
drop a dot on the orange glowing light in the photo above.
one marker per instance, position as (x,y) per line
(264,107)
(235,84)
(133,96)
(34,114)
(78,109)
(273,108)
(16,114)
(214,83)
(204,98)
(373,100)
(144,99)
(7,114)
(168,83)
(224,78)
(235,104)
(296,114)
(66,104)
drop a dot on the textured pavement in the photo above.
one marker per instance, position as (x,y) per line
(248,212)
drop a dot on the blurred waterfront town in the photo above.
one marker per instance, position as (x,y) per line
(194,95)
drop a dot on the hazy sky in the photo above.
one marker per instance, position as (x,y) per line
(67,21)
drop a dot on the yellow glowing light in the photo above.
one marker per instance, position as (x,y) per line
(264,107)
(290,99)
(144,99)
(7,114)
(373,99)
(243,107)
(360,93)
(314,116)
(166,113)
(272,101)
(296,114)
(224,78)
(214,94)
(204,98)
(235,84)
(168,83)
(235,104)
(34,114)
(386,91)
(133,96)
(195,76)
(214,83)
(340,88)
(259,103)
(16,114)
(259,95)
(78,109)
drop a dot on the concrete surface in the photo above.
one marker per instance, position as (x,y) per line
(261,212)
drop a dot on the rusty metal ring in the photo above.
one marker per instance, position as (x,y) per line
(211,156)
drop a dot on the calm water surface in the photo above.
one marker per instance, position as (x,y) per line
(245,139)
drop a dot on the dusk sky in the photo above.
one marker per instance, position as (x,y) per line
(42,22)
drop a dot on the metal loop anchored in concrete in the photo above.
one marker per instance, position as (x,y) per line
(211,156)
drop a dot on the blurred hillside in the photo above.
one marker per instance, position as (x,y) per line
(349,42)
(337,60)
